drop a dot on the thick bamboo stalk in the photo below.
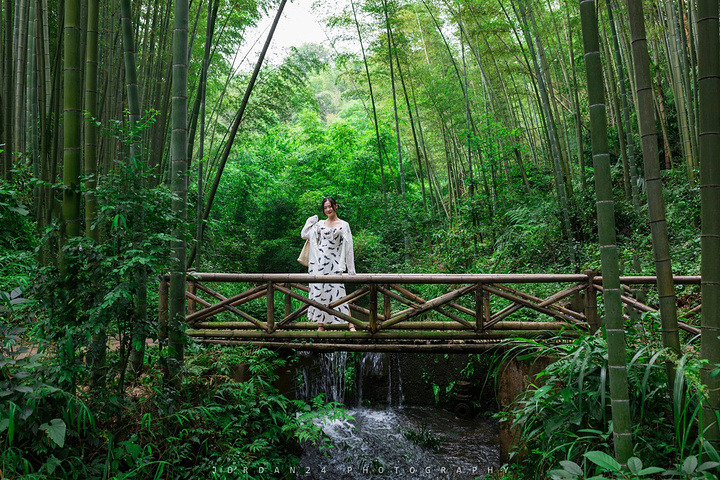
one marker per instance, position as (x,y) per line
(614,331)
(709,85)
(653,181)
(162,310)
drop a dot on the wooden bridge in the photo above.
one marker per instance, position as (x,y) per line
(456,313)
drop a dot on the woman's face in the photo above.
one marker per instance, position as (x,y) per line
(328,208)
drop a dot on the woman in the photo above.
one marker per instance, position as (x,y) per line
(331,250)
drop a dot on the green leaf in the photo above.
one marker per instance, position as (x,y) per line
(603,460)
(52,464)
(561,475)
(571,467)
(56,431)
(689,465)
(650,471)
(707,466)
(20,210)
(634,465)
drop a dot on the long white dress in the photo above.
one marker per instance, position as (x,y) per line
(331,251)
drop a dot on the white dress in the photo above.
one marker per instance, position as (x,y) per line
(331,251)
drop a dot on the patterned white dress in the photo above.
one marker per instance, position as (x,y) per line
(331,251)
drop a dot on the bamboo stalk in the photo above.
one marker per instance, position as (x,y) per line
(228,301)
(382,335)
(197,299)
(419,299)
(413,305)
(528,304)
(388,278)
(300,311)
(479,292)
(550,300)
(324,308)
(421,325)
(441,300)
(270,306)
(645,308)
(591,313)
(373,309)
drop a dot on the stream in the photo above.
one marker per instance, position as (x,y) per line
(393,440)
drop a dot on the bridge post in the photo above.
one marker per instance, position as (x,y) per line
(192,288)
(270,307)
(591,314)
(162,309)
(373,307)
(387,308)
(479,310)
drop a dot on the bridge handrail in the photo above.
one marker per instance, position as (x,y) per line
(424,278)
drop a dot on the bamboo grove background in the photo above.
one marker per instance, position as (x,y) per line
(442,117)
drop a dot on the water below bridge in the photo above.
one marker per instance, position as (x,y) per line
(393,429)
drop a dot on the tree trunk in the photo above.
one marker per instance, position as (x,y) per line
(139,321)
(553,143)
(653,182)
(629,142)
(98,341)
(614,327)
(72,120)
(401,170)
(7,94)
(372,101)
(178,177)
(709,85)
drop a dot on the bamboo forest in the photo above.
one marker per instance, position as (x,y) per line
(360,239)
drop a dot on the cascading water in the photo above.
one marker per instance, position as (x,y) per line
(392,441)
(325,375)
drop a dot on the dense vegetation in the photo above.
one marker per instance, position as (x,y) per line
(456,138)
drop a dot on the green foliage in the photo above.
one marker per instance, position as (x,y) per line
(562,419)
(17,241)
(39,423)
(212,426)
(611,469)
(423,437)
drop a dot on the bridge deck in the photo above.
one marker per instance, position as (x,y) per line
(466,313)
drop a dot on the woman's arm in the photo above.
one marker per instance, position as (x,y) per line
(309,227)
(348,244)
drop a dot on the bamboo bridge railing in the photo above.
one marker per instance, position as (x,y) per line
(389,316)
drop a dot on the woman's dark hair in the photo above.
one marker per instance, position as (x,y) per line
(332,201)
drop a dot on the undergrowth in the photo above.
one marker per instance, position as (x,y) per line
(564,421)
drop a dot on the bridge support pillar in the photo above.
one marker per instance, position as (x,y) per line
(514,377)
(591,313)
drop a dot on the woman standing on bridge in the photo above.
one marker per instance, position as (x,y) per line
(331,250)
